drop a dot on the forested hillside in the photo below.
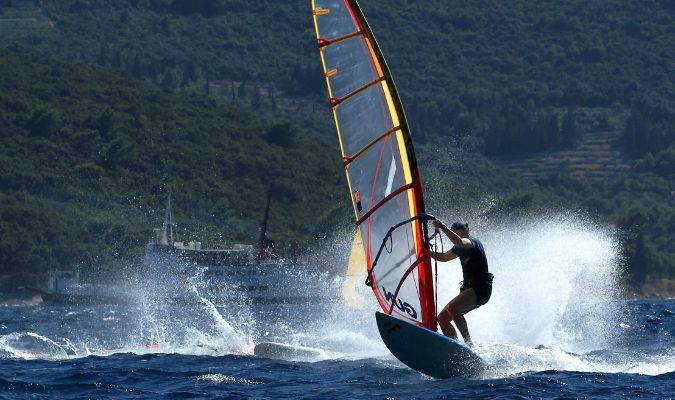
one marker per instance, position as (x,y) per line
(483,80)
(88,156)
(503,78)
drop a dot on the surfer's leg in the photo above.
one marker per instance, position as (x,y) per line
(463,328)
(460,305)
(444,318)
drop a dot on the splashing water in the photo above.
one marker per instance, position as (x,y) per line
(554,307)
(554,301)
(197,327)
(554,280)
(31,346)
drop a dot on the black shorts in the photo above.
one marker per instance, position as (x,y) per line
(483,290)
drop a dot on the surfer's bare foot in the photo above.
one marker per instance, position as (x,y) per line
(469,343)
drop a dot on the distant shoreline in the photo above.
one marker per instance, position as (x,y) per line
(652,289)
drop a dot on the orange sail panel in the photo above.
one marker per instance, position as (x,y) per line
(379,161)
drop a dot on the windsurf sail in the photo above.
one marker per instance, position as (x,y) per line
(379,162)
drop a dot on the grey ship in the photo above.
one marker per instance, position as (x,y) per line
(240,274)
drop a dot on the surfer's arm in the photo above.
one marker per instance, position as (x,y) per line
(454,238)
(443,257)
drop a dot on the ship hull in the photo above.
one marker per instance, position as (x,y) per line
(232,277)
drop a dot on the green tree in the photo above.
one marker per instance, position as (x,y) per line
(282,133)
(44,121)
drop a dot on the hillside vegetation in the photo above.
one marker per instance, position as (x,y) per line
(574,97)
(88,156)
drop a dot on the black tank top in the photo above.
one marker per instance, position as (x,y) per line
(474,263)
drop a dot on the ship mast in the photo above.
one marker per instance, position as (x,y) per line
(167,227)
(266,247)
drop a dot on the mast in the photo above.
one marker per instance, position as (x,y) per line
(266,247)
(167,226)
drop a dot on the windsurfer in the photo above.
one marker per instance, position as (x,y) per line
(477,285)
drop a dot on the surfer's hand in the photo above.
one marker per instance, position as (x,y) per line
(437,224)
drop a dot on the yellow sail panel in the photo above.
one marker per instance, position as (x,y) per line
(356,273)
(390,104)
(375,61)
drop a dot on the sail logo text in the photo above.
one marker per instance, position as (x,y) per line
(401,305)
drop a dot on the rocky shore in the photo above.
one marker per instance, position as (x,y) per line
(652,289)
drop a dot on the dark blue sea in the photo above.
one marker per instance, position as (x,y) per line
(148,351)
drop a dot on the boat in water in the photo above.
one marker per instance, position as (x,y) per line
(242,273)
(186,273)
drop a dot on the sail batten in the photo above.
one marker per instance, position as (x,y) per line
(325,42)
(378,159)
(339,100)
(371,144)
